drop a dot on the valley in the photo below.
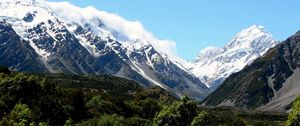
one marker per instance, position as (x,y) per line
(66,65)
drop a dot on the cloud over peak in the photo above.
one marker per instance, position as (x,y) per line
(124,30)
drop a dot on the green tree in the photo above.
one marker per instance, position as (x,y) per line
(294,115)
(97,106)
(4,70)
(105,120)
(149,108)
(20,115)
(111,120)
(78,104)
(178,114)
(69,122)
(203,119)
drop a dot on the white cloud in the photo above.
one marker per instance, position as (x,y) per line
(129,30)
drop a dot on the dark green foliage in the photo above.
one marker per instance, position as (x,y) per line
(156,93)
(149,107)
(203,119)
(4,70)
(97,106)
(20,115)
(238,117)
(294,115)
(105,120)
(111,120)
(78,104)
(108,84)
(178,114)
(57,99)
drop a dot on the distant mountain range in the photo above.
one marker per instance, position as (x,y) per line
(34,37)
(213,65)
(270,83)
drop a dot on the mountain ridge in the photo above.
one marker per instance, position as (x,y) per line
(213,64)
(92,48)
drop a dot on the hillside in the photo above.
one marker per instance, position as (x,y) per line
(58,99)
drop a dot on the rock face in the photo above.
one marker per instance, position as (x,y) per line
(271,82)
(36,38)
(214,65)
(16,52)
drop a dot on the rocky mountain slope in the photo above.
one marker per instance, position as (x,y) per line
(214,65)
(40,36)
(271,82)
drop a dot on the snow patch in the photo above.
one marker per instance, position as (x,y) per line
(44,54)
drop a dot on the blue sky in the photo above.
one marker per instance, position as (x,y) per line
(196,24)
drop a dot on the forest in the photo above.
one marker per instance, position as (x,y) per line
(35,99)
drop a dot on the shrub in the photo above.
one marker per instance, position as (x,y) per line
(203,119)
(179,113)
(294,115)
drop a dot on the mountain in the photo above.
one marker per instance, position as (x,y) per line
(213,65)
(271,82)
(62,38)
(16,52)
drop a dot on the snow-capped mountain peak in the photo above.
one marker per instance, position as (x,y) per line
(245,37)
(214,64)
(253,30)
